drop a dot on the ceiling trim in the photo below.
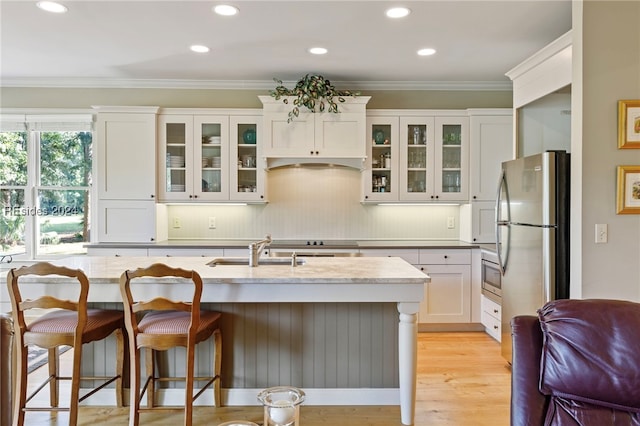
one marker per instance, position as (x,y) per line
(247,84)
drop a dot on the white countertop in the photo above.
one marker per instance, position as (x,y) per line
(348,279)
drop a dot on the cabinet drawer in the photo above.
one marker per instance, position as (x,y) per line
(410,255)
(492,325)
(492,308)
(186,252)
(445,257)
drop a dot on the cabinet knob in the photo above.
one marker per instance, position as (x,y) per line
(474,197)
(446,257)
(262,196)
(311,152)
(317,152)
(495,327)
(437,196)
(153,239)
(474,239)
(195,196)
(190,196)
(432,197)
(495,311)
(152,196)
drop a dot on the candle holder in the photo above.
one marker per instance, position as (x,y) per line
(281,405)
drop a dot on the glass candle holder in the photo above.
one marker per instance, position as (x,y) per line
(281,405)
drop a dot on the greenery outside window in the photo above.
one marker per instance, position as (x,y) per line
(45,181)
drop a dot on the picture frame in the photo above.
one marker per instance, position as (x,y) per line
(629,124)
(628,197)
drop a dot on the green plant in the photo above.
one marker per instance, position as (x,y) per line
(311,91)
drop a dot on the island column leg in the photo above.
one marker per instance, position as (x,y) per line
(408,359)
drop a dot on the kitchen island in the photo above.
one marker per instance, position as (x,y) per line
(325,284)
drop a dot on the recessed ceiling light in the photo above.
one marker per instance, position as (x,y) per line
(318,50)
(397,12)
(198,48)
(426,52)
(51,6)
(225,10)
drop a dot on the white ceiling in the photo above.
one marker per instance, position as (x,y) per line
(146,43)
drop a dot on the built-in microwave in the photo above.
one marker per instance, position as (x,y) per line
(491,277)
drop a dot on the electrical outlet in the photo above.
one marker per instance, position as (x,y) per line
(176,222)
(212,222)
(451,222)
(601,233)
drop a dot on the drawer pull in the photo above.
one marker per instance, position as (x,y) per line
(495,311)
(495,327)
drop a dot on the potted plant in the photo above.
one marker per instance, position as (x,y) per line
(311,91)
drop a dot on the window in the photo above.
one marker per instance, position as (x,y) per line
(45,181)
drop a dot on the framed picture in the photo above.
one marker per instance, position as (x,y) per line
(628,190)
(629,124)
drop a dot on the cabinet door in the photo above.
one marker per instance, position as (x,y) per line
(380,179)
(416,158)
(246,168)
(126,156)
(175,157)
(126,221)
(211,158)
(451,159)
(340,135)
(491,144)
(294,139)
(447,297)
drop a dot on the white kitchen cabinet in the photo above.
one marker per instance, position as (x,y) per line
(126,169)
(380,179)
(127,221)
(126,147)
(246,167)
(491,317)
(491,136)
(193,157)
(428,161)
(478,222)
(448,294)
(314,136)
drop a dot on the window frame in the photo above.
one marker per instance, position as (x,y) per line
(34,123)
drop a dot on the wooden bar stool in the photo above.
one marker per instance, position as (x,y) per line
(166,324)
(70,323)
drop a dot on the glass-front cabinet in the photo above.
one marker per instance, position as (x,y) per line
(416,158)
(451,158)
(194,157)
(381,171)
(246,167)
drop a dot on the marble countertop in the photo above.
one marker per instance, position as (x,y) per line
(346,279)
(336,270)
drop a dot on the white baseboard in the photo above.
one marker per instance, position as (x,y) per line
(248,397)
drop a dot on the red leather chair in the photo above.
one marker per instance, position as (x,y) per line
(577,363)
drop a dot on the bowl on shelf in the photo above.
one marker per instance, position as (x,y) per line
(214,140)
(249,136)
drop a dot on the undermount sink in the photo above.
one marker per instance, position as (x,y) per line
(222,261)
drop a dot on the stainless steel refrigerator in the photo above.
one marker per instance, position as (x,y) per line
(532,230)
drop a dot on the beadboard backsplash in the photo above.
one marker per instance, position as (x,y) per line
(314,202)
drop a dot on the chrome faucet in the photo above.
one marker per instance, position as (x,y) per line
(255,249)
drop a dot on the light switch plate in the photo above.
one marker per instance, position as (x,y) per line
(176,222)
(212,222)
(451,222)
(601,233)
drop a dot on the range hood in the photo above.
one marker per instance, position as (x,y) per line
(279,162)
(314,139)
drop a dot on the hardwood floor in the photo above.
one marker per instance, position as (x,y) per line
(462,380)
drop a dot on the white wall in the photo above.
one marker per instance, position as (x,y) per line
(314,203)
(608,67)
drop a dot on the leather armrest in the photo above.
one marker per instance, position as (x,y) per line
(528,405)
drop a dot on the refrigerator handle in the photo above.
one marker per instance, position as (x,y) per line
(502,183)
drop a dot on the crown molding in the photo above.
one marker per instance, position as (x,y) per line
(113,83)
